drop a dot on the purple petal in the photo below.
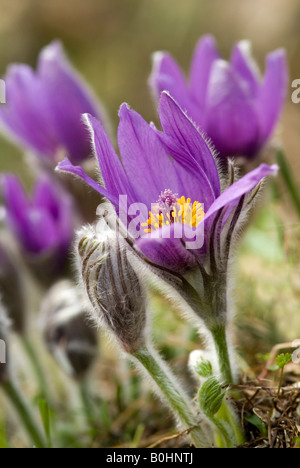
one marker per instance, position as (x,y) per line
(25,115)
(39,231)
(206,53)
(14,195)
(50,197)
(273,92)
(69,98)
(114,176)
(232,120)
(67,166)
(244,65)
(176,124)
(144,157)
(170,252)
(167,76)
(241,187)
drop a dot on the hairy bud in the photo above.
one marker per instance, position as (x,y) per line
(108,271)
(70,338)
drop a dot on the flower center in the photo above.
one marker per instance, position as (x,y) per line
(170,209)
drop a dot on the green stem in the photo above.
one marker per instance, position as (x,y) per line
(13,394)
(175,397)
(280,383)
(220,339)
(226,442)
(227,414)
(32,355)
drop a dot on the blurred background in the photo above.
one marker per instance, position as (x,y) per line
(110,42)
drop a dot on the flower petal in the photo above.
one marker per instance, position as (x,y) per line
(232,195)
(67,166)
(144,157)
(111,169)
(68,98)
(232,118)
(176,124)
(273,92)
(167,76)
(164,247)
(243,63)
(24,116)
(206,53)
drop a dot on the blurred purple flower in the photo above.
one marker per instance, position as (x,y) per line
(43,224)
(228,100)
(147,174)
(44,108)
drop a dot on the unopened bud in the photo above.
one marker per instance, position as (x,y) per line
(4,330)
(11,288)
(200,364)
(211,396)
(69,336)
(108,270)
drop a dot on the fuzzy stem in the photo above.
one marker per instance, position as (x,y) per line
(219,335)
(175,397)
(227,413)
(13,394)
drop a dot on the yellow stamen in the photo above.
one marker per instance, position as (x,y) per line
(183,212)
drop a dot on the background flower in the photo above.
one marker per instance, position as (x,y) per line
(228,100)
(43,223)
(43,110)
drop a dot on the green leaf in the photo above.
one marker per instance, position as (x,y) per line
(256,422)
(283,359)
(204,369)
(211,396)
(45,414)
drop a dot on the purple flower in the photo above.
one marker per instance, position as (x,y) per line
(147,174)
(228,100)
(43,224)
(44,108)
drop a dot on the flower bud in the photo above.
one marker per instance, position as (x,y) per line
(70,338)
(11,289)
(4,326)
(109,273)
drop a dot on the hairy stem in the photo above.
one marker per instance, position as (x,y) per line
(219,335)
(175,397)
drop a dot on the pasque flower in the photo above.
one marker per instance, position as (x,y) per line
(228,100)
(175,175)
(43,110)
(42,223)
(148,175)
